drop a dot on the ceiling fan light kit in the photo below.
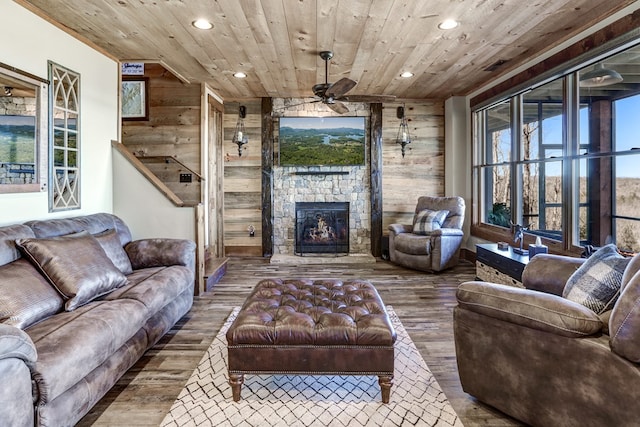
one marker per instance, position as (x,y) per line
(239,135)
(599,77)
(334,95)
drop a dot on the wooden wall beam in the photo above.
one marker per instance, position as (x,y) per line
(376,179)
(267,177)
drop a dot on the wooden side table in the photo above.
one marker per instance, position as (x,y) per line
(499,266)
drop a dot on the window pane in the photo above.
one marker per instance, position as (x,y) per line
(542,121)
(542,198)
(498,136)
(627,125)
(497,192)
(628,234)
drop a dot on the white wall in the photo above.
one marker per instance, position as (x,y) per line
(458,154)
(148,212)
(28,42)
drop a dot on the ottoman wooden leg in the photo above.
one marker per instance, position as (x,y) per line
(235,381)
(385,381)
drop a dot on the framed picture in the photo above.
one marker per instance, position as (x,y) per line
(135,105)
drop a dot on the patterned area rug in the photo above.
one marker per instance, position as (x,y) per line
(305,400)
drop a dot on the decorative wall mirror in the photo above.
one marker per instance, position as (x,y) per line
(64,191)
(23,131)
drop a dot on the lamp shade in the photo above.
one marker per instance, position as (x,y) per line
(600,76)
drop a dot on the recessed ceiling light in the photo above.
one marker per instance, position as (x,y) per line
(239,75)
(406,74)
(448,24)
(202,24)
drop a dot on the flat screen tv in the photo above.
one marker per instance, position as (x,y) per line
(322,141)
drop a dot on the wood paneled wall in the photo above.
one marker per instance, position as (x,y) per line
(421,171)
(243,182)
(173,129)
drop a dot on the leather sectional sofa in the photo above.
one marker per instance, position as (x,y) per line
(80,303)
(547,360)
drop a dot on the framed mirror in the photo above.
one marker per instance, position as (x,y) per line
(23,131)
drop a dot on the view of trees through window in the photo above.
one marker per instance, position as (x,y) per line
(523,179)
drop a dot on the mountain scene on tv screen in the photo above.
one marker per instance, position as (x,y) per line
(340,146)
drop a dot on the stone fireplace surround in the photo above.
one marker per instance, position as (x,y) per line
(290,187)
(321,184)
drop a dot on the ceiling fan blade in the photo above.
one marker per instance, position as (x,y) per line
(366,98)
(338,107)
(340,87)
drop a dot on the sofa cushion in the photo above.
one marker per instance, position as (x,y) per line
(155,287)
(596,284)
(110,243)
(624,323)
(71,345)
(413,244)
(25,295)
(8,235)
(76,265)
(533,309)
(428,220)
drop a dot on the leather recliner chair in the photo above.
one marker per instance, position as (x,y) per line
(437,250)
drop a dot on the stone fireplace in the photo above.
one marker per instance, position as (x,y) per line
(322,228)
(350,185)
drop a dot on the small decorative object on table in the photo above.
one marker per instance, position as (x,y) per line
(518,231)
(503,246)
(538,248)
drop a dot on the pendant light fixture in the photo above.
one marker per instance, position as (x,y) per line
(403,138)
(239,135)
(599,76)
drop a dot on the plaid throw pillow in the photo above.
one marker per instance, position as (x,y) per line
(427,221)
(596,284)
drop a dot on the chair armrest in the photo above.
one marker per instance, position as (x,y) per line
(400,228)
(549,273)
(447,232)
(15,343)
(146,253)
(532,309)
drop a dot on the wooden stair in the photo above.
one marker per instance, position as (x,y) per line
(214,270)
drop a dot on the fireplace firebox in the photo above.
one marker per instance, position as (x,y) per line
(322,228)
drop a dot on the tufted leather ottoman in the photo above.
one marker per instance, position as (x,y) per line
(313,327)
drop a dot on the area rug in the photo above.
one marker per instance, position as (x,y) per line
(306,400)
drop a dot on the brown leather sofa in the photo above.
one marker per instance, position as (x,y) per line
(548,361)
(80,303)
(437,250)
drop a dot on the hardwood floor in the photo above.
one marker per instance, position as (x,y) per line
(424,302)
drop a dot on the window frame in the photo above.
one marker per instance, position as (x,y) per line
(570,242)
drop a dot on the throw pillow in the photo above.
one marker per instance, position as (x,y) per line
(426,221)
(596,284)
(25,295)
(76,265)
(110,242)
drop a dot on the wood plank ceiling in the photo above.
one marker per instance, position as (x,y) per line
(276,42)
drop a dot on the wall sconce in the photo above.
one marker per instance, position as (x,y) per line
(403,137)
(239,135)
(8,91)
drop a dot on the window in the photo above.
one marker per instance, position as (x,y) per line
(561,158)
(64,192)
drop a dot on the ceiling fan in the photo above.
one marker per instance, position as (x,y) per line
(334,94)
